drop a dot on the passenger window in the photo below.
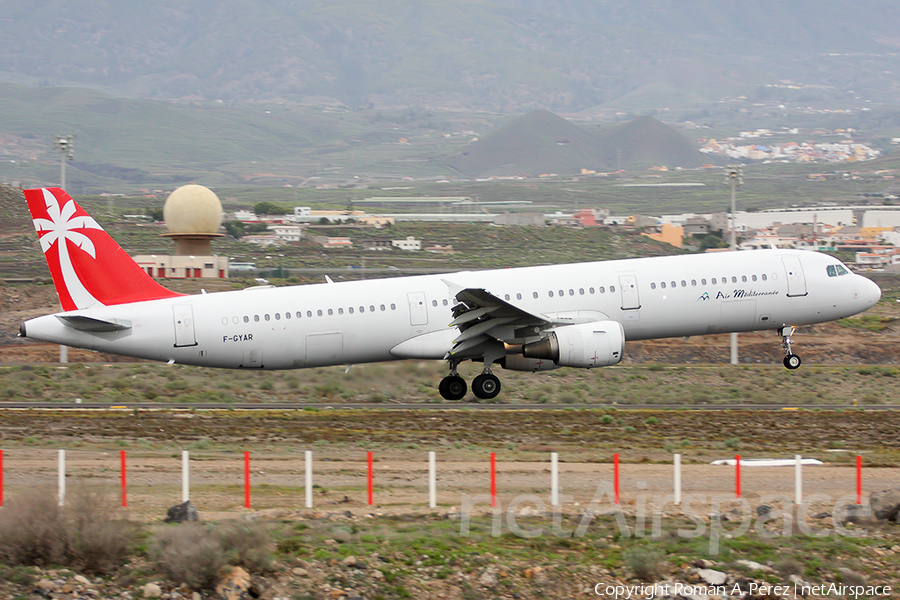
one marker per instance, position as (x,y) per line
(434,302)
(753,277)
(550,293)
(703,281)
(445,300)
(571,292)
(246,319)
(733,279)
(319,312)
(602,289)
(350,310)
(714,281)
(518,297)
(561,293)
(694,282)
(382,308)
(287,315)
(683,283)
(235,320)
(267,316)
(330,312)
(371,308)
(393,306)
(277,316)
(362,309)
(652,286)
(612,289)
(663,285)
(674,284)
(340,311)
(299,315)
(535,294)
(256,318)
(744,279)
(590,290)
(764,277)
(506,296)
(581,291)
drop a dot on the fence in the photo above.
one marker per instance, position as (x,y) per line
(216,475)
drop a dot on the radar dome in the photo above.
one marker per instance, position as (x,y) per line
(193,209)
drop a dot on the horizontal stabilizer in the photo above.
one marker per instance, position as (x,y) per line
(93,325)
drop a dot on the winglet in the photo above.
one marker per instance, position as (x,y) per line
(88,267)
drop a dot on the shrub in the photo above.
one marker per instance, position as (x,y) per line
(36,531)
(648,564)
(195,553)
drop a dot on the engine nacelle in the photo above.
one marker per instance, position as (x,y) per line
(517,362)
(587,345)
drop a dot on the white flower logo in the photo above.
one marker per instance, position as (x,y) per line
(62,227)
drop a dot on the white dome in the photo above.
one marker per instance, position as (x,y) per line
(193,209)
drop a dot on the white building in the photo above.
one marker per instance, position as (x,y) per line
(288,233)
(410,243)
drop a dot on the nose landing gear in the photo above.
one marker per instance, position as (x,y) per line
(791,360)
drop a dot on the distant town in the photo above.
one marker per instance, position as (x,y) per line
(872,233)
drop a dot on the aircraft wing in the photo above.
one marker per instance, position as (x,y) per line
(481,317)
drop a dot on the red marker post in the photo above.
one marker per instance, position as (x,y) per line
(737,476)
(858,479)
(493,480)
(370,479)
(124,480)
(246,479)
(616,476)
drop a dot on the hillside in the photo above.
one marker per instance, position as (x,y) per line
(543,143)
(499,55)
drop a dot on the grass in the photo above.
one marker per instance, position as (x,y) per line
(623,385)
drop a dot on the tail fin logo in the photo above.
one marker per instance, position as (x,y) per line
(63,226)
(88,267)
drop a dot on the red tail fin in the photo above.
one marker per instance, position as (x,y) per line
(88,267)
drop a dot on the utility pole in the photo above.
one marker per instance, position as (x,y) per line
(734,175)
(65,145)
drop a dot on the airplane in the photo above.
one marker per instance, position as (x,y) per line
(526,319)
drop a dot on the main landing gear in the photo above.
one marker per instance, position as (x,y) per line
(453,387)
(791,360)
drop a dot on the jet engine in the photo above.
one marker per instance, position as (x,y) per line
(587,345)
(517,362)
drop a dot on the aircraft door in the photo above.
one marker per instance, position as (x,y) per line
(418,310)
(184,325)
(796,281)
(630,299)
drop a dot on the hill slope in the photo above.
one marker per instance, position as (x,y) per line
(543,143)
(502,55)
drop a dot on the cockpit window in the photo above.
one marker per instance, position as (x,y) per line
(837,270)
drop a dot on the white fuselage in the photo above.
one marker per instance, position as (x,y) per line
(408,317)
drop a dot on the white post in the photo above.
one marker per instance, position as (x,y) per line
(62,477)
(554,479)
(185,476)
(309,479)
(432,480)
(677,465)
(798,480)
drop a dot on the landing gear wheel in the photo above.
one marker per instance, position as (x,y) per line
(791,361)
(486,386)
(453,387)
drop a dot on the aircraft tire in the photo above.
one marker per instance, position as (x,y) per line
(792,361)
(486,386)
(453,387)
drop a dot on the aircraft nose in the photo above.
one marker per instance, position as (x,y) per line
(874,292)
